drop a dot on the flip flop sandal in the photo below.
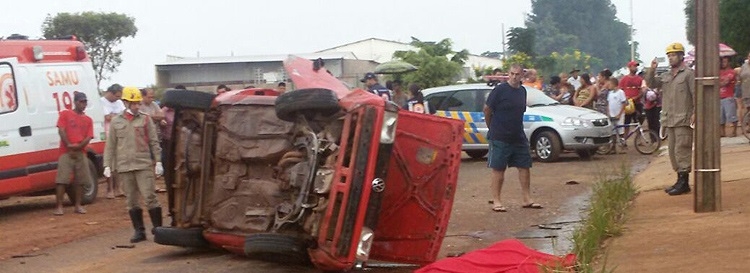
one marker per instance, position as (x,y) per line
(499,208)
(532,206)
(80,211)
(57,213)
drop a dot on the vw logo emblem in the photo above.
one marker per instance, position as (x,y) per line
(378,185)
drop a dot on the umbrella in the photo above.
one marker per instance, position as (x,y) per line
(724,51)
(394,67)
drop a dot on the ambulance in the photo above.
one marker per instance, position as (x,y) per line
(37,81)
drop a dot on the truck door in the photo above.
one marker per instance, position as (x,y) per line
(419,189)
(15,131)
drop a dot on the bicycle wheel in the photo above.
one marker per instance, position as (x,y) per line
(606,148)
(647,142)
(746,125)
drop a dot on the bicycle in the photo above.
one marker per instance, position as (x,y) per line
(646,142)
(745,126)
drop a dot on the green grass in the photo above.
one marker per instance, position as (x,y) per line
(609,201)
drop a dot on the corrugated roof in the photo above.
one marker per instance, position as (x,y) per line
(176,60)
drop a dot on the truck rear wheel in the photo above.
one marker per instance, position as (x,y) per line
(309,102)
(278,248)
(187,99)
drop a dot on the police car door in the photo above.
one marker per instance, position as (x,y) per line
(16,144)
(467,105)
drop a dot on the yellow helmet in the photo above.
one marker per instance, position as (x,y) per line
(675,47)
(131,94)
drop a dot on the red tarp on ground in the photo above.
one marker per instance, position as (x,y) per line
(509,256)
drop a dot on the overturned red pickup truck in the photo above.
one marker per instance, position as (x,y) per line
(320,175)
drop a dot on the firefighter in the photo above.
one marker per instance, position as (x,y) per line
(678,90)
(131,150)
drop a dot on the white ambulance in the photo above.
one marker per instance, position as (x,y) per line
(37,81)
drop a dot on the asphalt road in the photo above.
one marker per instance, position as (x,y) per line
(562,188)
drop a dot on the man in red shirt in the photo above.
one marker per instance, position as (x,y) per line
(632,85)
(727,79)
(76,129)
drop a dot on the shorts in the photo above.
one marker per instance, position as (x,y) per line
(618,121)
(76,167)
(503,155)
(728,111)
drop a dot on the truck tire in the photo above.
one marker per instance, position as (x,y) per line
(187,99)
(547,146)
(279,248)
(88,191)
(310,102)
(477,154)
(184,237)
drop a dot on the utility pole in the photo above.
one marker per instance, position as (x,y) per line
(707,155)
(505,52)
(632,42)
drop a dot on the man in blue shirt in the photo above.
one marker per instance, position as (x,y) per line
(371,82)
(508,144)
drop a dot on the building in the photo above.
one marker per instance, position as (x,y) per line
(348,62)
(380,50)
(237,72)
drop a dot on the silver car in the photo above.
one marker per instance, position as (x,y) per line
(552,128)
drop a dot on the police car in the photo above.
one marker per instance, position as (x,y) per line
(552,128)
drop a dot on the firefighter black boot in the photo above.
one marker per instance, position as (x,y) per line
(155,214)
(683,184)
(136,216)
(676,182)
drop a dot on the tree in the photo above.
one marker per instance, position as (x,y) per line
(438,64)
(519,58)
(100,32)
(734,24)
(589,25)
(521,40)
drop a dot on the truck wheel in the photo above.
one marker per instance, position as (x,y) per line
(547,146)
(477,154)
(310,102)
(187,99)
(184,237)
(279,248)
(89,190)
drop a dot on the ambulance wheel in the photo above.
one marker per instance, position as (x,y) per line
(187,99)
(279,248)
(311,102)
(477,154)
(89,190)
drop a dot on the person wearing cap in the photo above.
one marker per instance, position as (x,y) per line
(678,112)
(112,106)
(76,129)
(573,80)
(632,85)
(132,153)
(371,83)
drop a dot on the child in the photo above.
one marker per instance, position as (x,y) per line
(616,100)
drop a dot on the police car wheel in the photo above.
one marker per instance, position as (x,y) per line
(311,102)
(188,99)
(279,248)
(89,191)
(547,146)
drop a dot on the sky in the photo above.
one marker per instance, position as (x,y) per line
(223,28)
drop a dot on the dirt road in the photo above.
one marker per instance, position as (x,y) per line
(83,243)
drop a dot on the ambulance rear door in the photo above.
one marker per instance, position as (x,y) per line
(16,145)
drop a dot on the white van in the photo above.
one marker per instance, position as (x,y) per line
(37,81)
